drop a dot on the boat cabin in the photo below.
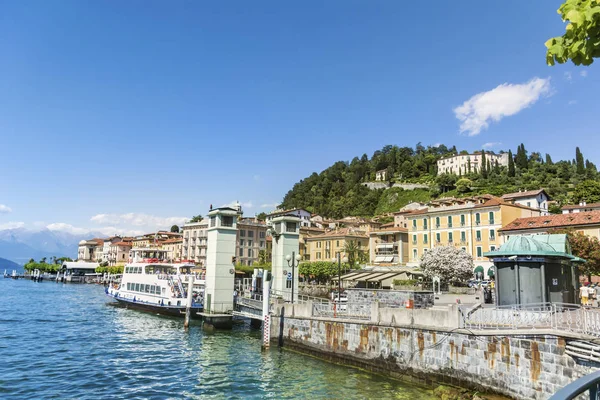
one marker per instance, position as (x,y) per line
(147,254)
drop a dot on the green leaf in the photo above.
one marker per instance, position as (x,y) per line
(575,17)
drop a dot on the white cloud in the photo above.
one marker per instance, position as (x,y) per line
(247,204)
(269,205)
(505,100)
(568,76)
(571,102)
(583,73)
(438,144)
(12,225)
(106,230)
(64,227)
(138,219)
(489,145)
(5,209)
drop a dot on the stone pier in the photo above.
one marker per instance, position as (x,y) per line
(422,345)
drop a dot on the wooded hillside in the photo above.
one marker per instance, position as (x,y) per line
(338,191)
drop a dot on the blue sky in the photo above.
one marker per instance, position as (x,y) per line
(125,116)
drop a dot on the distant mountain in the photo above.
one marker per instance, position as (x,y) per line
(9,266)
(19,245)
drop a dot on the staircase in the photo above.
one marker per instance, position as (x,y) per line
(176,288)
(180,287)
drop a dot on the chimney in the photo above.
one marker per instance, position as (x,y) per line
(584,203)
(581,204)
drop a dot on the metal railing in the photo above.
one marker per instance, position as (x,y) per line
(344,311)
(589,383)
(556,316)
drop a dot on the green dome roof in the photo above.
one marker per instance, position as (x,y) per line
(526,245)
(534,245)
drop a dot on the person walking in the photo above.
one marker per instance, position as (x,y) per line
(584,294)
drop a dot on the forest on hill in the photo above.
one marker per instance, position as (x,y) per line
(339,190)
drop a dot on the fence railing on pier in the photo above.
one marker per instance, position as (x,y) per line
(556,316)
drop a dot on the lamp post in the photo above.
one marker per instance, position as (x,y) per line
(293,261)
(339,260)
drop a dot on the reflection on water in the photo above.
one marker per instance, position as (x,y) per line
(63,341)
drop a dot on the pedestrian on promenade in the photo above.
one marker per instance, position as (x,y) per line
(584,294)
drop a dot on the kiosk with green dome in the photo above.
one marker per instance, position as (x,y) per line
(533,269)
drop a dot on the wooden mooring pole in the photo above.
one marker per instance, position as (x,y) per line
(188,307)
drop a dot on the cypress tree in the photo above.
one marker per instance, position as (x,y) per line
(579,161)
(521,159)
(469,166)
(548,159)
(511,164)
(483,165)
(497,168)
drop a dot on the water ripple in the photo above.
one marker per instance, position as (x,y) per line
(63,342)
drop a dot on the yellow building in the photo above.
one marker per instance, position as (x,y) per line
(388,246)
(173,248)
(326,246)
(471,224)
(306,232)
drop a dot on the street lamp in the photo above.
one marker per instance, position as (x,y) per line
(293,261)
(339,260)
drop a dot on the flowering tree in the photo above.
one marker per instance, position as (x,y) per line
(451,264)
(586,247)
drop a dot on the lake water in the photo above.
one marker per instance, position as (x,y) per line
(62,341)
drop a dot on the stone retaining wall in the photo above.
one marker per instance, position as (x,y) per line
(363,298)
(523,367)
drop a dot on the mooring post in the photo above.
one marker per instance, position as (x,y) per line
(281,321)
(265,311)
(188,307)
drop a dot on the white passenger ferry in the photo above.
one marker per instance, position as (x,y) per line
(150,284)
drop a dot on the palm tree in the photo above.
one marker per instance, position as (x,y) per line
(351,250)
(263,257)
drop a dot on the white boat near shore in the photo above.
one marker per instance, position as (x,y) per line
(159,287)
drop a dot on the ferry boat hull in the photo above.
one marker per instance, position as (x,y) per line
(173,311)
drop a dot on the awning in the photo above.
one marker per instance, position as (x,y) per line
(491,272)
(385,246)
(383,277)
(478,268)
(379,259)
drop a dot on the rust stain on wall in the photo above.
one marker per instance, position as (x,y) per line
(492,348)
(364,340)
(389,335)
(334,336)
(421,343)
(505,351)
(517,358)
(398,335)
(536,365)
(434,337)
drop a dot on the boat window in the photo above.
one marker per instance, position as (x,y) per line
(184,270)
(147,289)
(128,285)
(137,287)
